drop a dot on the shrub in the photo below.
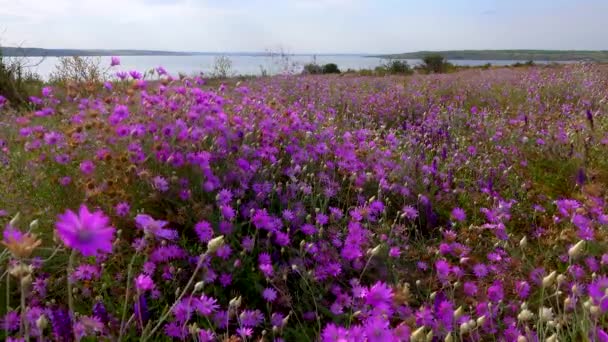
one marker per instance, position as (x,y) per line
(222,67)
(78,70)
(312,69)
(331,68)
(17,82)
(395,66)
(435,64)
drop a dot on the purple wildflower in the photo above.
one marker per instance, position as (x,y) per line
(87,167)
(269,294)
(458,214)
(204,231)
(89,233)
(143,283)
(154,227)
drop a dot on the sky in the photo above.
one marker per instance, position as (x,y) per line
(305,26)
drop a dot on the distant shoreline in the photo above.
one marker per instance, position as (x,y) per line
(454,55)
(515,55)
(508,55)
(39,52)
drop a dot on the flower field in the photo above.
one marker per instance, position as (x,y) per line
(462,207)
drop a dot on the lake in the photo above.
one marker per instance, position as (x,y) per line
(241,64)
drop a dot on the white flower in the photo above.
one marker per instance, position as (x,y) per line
(525,315)
(546,314)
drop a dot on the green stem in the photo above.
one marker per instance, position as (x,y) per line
(23,326)
(8,294)
(69,283)
(202,258)
(126,300)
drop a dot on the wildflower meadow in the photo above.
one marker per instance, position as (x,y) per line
(469,206)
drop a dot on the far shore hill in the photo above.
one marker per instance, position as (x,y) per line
(509,55)
(489,55)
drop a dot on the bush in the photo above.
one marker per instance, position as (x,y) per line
(315,69)
(395,66)
(526,64)
(16,81)
(435,64)
(312,69)
(222,67)
(331,68)
(78,70)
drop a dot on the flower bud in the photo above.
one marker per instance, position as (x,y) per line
(523,242)
(481,320)
(42,322)
(464,328)
(15,220)
(594,310)
(285,320)
(199,286)
(550,279)
(417,335)
(458,312)
(522,338)
(34,224)
(376,250)
(215,244)
(552,338)
(576,250)
(235,302)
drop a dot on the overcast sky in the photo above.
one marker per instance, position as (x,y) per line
(305,26)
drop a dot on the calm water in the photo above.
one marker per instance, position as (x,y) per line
(241,65)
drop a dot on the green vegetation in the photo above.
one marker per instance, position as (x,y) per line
(315,69)
(515,55)
(16,81)
(331,68)
(435,63)
(395,67)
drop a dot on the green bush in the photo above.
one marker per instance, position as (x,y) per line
(17,83)
(312,69)
(316,69)
(331,68)
(435,64)
(395,66)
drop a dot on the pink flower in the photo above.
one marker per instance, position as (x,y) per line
(144,283)
(87,167)
(89,233)
(115,61)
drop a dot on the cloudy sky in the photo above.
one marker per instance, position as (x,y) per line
(315,26)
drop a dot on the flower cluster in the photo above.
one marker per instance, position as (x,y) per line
(461,207)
